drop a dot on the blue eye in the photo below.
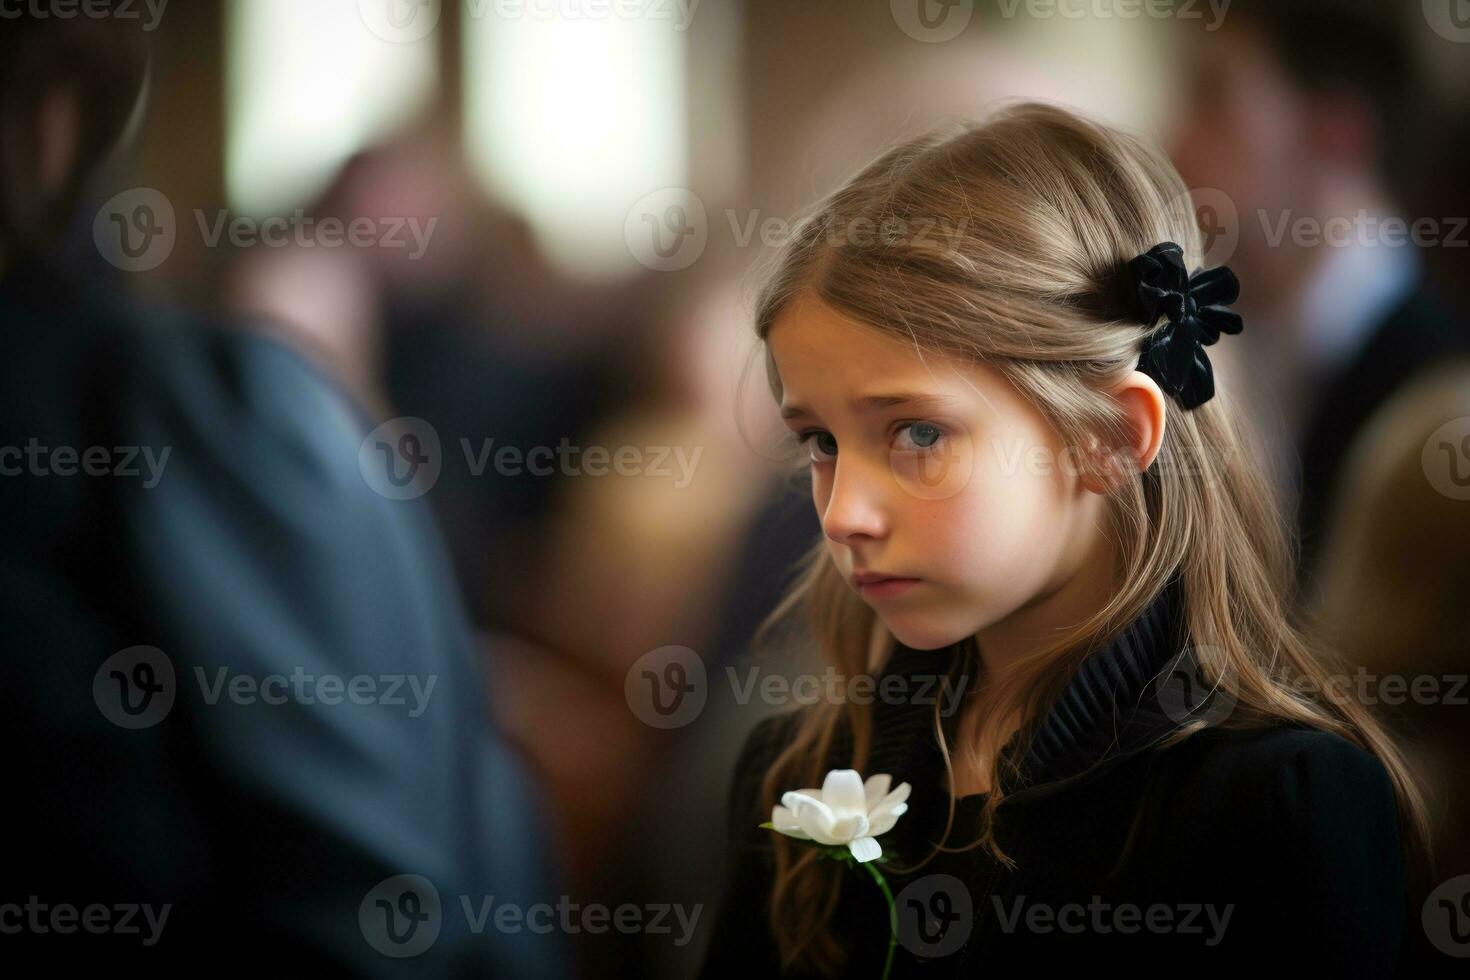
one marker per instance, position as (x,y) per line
(822,444)
(920,435)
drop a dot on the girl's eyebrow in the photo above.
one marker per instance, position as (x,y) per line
(791,410)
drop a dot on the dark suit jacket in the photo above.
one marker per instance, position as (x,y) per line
(1270,845)
(271,792)
(1420,334)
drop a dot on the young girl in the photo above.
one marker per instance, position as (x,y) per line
(1031,493)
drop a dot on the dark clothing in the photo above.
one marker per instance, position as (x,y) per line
(483,393)
(1419,335)
(1277,847)
(263,810)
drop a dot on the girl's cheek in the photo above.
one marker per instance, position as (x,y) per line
(821,489)
(989,528)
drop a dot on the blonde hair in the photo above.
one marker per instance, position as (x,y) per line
(1016,235)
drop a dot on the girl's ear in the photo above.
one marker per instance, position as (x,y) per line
(1143,405)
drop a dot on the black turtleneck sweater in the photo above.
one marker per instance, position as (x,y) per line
(1265,849)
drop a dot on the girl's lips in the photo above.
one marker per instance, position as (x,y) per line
(886,588)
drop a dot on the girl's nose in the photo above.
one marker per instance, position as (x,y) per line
(855,508)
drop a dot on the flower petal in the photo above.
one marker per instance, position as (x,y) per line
(900,794)
(865,849)
(843,790)
(883,822)
(813,816)
(875,789)
(848,827)
(786,823)
(810,796)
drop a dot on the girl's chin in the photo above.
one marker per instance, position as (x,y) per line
(918,636)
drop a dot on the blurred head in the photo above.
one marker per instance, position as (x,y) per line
(68,88)
(1296,106)
(954,336)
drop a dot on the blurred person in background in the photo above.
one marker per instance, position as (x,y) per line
(471,331)
(571,572)
(1393,584)
(1301,113)
(183,512)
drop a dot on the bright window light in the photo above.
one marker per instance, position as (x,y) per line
(571,119)
(309,83)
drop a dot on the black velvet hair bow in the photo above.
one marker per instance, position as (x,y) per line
(1174,355)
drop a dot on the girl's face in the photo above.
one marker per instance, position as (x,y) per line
(946,499)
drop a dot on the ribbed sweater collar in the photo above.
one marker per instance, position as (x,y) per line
(1118,702)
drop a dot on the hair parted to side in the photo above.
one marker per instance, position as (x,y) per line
(1032,217)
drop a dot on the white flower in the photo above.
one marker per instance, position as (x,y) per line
(844,811)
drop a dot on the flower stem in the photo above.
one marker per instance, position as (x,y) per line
(892,917)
